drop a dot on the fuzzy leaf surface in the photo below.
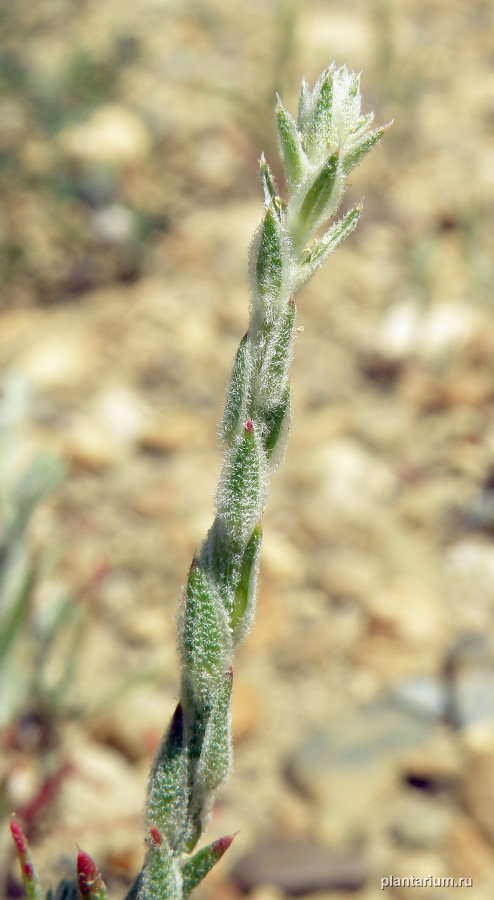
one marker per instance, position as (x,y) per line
(315,204)
(357,153)
(234,414)
(242,494)
(269,262)
(274,370)
(292,153)
(161,878)
(168,787)
(215,759)
(245,590)
(323,248)
(202,862)
(205,636)
(319,130)
(277,422)
(269,189)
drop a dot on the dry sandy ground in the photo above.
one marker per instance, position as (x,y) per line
(129,205)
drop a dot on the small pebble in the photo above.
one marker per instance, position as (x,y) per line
(422,695)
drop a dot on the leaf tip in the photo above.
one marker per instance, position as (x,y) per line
(88,876)
(220,846)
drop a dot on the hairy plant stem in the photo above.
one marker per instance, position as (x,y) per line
(217,608)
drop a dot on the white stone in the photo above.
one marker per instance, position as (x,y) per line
(113,224)
(113,135)
(281,558)
(412,609)
(122,414)
(351,479)
(446,326)
(397,334)
(58,360)
(469,581)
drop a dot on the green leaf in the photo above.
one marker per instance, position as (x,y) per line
(269,260)
(161,878)
(304,100)
(205,638)
(349,84)
(315,203)
(319,128)
(202,862)
(242,492)
(246,586)
(215,759)
(269,189)
(168,787)
(274,370)
(361,126)
(358,151)
(276,420)
(292,153)
(320,250)
(220,558)
(234,414)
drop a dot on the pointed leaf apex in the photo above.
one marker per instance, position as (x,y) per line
(86,866)
(220,846)
(88,876)
(91,884)
(197,868)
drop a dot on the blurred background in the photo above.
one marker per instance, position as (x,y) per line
(363,713)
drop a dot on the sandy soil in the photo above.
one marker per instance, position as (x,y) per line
(129,140)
